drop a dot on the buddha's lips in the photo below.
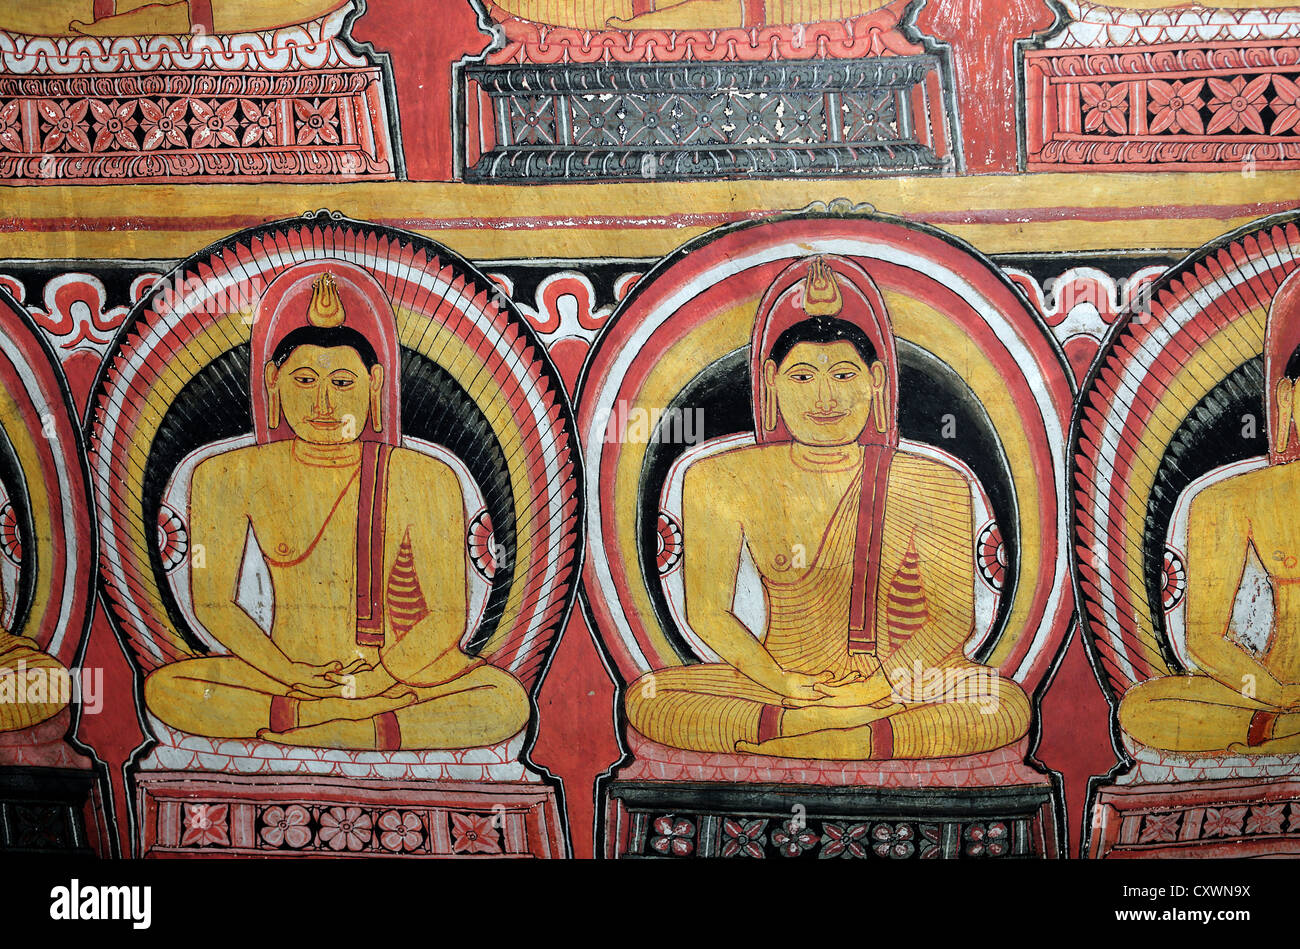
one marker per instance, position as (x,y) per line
(325,422)
(825,418)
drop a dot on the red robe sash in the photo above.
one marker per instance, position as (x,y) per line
(866,555)
(371,525)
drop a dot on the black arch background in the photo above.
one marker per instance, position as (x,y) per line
(930,390)
(15,486)
(1210,437)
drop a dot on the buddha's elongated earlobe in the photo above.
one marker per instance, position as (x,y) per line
(272,397)
(1285,399)
(769,396)
(880,396)
(377,398)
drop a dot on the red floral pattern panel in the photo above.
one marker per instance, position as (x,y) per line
(1184,106)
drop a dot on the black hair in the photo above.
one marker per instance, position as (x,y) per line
(823,329)
(326,338)
(1293,366)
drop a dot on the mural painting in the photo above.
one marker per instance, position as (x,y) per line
(1187,603)
(678,429)
(820,623)
(51,793)
(378,425)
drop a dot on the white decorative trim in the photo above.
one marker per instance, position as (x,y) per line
(1153,766)
(313,45)
(1096,26)
(178,751)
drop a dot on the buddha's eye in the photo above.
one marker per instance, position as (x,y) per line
(305,379)
(343,382)
(801,376)
(845,374)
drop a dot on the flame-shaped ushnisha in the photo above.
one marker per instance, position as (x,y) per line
(325,309)
(821,291)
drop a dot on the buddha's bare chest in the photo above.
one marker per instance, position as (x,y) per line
(1280,556)
(303,521)
(786,531)
(1275,537)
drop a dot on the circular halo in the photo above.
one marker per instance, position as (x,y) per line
(683,321)
(46,484)
(1180,369)
(178,370)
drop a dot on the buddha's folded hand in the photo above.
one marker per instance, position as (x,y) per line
(800,687)
(312,680)
(365,682)
(859,693)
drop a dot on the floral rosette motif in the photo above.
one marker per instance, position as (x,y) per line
(668,552)
(346,828)
(1173,580)
(991,555)
(401,831)
(286,827)
(474,833)
(673,837)
(10,542)
(845,842)
(482,546)
(987,840)
(794,838)
(744,838)
(173,539)
(896,841)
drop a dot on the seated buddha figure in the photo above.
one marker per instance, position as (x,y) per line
(364,541)
(865,553)
(684,14)
(1239,700)
(156,17)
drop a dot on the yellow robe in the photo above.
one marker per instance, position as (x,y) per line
(18,653)
(712,706)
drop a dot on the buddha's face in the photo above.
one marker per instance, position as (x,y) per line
(325,393)
(823,392)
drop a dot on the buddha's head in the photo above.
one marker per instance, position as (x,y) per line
(325,347)
(1282,370)
(324,378)
(823,376)
(326,384)
(824,380)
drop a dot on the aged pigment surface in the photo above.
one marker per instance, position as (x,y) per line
(784,429)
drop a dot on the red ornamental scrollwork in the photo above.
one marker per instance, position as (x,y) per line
(75,314)
(873,34)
